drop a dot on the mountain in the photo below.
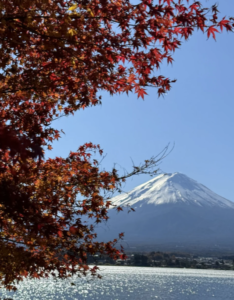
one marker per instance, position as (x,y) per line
(172,212)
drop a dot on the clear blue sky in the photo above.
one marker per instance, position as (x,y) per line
(197,115)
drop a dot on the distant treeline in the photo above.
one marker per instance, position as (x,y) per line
(172,260)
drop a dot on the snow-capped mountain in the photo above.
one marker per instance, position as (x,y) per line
(175,210)
(171,189)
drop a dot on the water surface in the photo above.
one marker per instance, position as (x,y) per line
(133,283)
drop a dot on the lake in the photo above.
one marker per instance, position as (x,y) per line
(120,283)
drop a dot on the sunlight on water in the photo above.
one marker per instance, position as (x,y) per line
(133,283)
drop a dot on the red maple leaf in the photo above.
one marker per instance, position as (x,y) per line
(212,31)
(60,234)
(224,23)
(141,93)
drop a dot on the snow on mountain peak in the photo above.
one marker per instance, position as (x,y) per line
(171,188)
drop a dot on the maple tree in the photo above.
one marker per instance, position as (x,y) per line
(55,58)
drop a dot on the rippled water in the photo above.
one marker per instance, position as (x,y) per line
(120,283)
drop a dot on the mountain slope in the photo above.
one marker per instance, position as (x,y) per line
(172,188)
(173,210)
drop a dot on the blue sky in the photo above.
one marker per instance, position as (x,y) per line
(196,115)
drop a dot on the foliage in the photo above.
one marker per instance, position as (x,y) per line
(55,58)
